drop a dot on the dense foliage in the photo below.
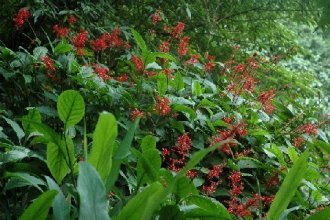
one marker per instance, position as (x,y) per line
(100,121)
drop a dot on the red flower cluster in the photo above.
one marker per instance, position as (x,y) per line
(150,73)
(136,113)
(210,189)
(192,174)
(179,151)
(193,59)
(234,131)
(183,46)
(240,68)
(298,141)
(79,42)
(60,31)
(138,63)
(177,30)
(208,67)
(102,72)
(308,129)
(21,17)
(72,19)
(164,47)
(168,72)
(49,63)
(107,40)
(122,78)
(162,106)
(155,17)
(266,100)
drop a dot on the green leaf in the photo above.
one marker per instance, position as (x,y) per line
(202,207)
(139,41)
(33,115)
(122,152)
(162,83)
(18,130)
(59,157)
(39,52)
(70,107)
(23,179)
(63,47)
(143,204)
(323,214)
(170,212)
(293,154)
(323,146)
(39,208)
(288,187)
(184,109)
(196,88)
(103,144)
(184,187)
(164,56)
(61,208)
(148,165)
(148,143)
(93,199)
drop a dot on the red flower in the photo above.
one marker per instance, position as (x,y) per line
(240,68)
(138,63)
(192,174)
(21,17)
(49,63)
(183,45)
(209,66)
(72,19)
(80,39)
(112,39)
(164,47)
(162,106)
(122,78)
(102,72)
(308,129)
(177,30)
(60,31)
(136,113)
(168,72)
(210,189)
(155,17)
(150,73)
(266,100)
(165,152)
(193,59)
(98,44)
(298,141)
(236,183)
(215,171)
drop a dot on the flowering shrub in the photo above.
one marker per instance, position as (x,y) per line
(190,129)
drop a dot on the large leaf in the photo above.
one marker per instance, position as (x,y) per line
(103,143)
(205,208)
(60,157)
(162,83)
(61,208)
(321,215)
(122,152)
(70,107)
(139,41)
(140,206)
(22,179)
(39,208)
(93,200)
(18,130)
(288,187)
(33,115)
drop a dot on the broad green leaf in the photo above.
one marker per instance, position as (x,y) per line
(139,41)
(201,207)
(323,146)
(63,47)
(59,157)
(293,154)
(178,82)
(141,206)
(162,83)
(184,109)
(61,208)
(103,144)
(321,215)
(14,153)
(170,212)
(164,55)
(93,199)
(18,130)
(148,165)
(196,88)
(288,187)
(70,107)
(33,115)
(39,52)
(23,179)
(39,208)
(184,187)
(148,143)
(48,132)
